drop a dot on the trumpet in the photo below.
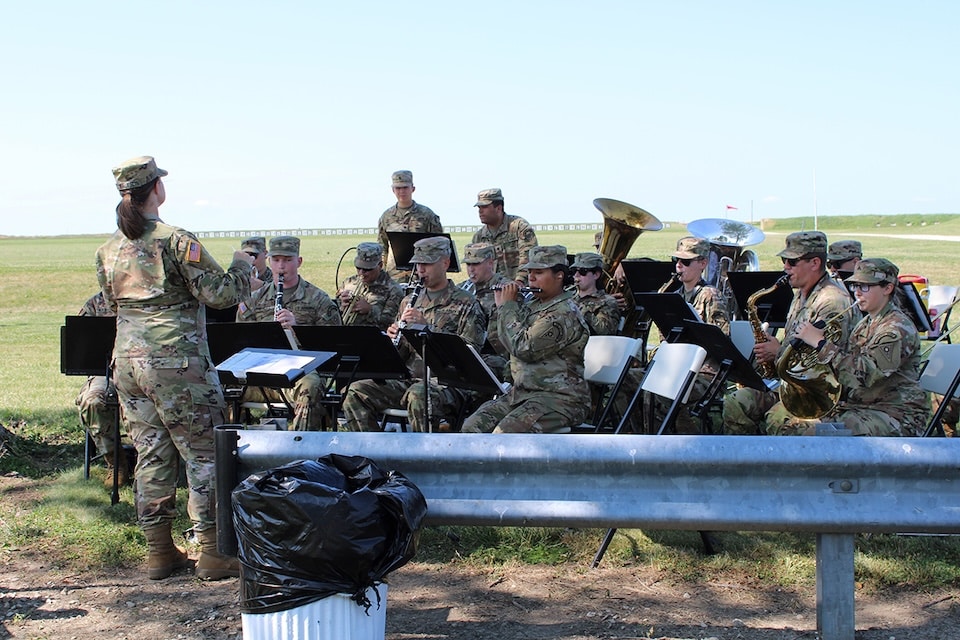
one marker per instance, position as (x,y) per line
(401,324)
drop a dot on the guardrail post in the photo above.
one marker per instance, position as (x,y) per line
(835,586)
(225,440)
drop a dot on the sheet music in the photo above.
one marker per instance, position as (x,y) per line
(245,362)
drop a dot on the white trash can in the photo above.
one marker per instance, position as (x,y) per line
(336,617)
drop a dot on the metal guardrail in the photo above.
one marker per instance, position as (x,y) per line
(833,486)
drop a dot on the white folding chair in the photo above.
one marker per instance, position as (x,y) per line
(670,375)
(606,360)
(941,375)
(940,299)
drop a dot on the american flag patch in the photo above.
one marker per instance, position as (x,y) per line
(193,252)
(243,308)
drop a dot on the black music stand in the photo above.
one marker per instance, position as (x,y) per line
(365,353)
(401,245)
(275,368)
(86,349)
(645,276)
(720,348)
(453,362)
(668,310)
(771,308)
(214,315)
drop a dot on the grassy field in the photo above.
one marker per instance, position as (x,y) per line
(44,279)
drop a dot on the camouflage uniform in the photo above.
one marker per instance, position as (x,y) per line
(98,418)
(258,244)
(170,394)
(748,411)
(546,342)
(417,218)
(513,238)
(310,305)
(880,369)
(600,311)
(383,294)
(484,292)
(450,310)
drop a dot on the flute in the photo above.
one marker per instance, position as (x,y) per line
(521,290)
(413,301)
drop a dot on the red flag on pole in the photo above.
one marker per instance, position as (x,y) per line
(730,206)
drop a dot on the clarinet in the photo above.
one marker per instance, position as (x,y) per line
(278,305)
(413,300)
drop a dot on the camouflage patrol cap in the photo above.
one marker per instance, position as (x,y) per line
(402,178)
(546,257)
(844,250)
(691,248)
(477,252)
(874,271)
(803,243)
(489,196)
(369,255)
(257,244)
(285,246)
(430,250)
(136,172)
(588,260)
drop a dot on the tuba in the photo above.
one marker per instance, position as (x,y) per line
(622,225)
(727,240)
(809,389)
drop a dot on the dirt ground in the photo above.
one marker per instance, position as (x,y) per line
(433,602)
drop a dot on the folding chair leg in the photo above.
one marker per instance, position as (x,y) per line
(603,547)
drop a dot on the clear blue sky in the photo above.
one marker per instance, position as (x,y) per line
(294,114)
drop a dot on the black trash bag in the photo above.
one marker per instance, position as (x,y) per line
(310,529)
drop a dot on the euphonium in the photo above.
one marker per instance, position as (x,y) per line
(349,315)
(767,370)
(810,389)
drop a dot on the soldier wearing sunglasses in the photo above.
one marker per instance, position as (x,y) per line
(599,308)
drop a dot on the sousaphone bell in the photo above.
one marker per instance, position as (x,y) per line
(727,240)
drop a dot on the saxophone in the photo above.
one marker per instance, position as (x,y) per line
(669,284)
(767,370)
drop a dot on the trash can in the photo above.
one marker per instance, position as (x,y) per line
(316,540)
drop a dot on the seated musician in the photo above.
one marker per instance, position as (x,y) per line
(816,297)
(879,368)
(599,309)
(256,248)
(303,304)
(444,308)
(546,339)
(371,297)
(481,261)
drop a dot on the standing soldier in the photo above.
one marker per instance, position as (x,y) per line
(511,235)
(406,215)
(303,304)
(371,297)
(546,339)
(158,278)
(599,309)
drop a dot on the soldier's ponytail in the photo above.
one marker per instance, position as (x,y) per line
(130,219)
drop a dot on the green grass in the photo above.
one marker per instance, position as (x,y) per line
(44,279)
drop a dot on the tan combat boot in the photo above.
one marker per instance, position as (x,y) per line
(212,565)
(164,557)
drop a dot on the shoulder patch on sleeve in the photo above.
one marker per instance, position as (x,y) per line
(193,251)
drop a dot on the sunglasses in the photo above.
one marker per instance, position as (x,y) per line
(864,287)
(837,264)
(252,254)
(583,272)
(793,261)
(685,261)
(364,269)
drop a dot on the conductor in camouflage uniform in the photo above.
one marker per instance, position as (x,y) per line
(97,417)
(303,304)
(879,369)
(546,340)
(443,308)
(406,215)
(371,297)
(599,309)
(816,297)
(480,258)
(511,235)
(158,278)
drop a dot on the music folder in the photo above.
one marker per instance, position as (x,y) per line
(668,311)
(719,347)
(914,307)
(376,356)
(645,276)
(275,368)
(771,308)
(401,245)
(227,338)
